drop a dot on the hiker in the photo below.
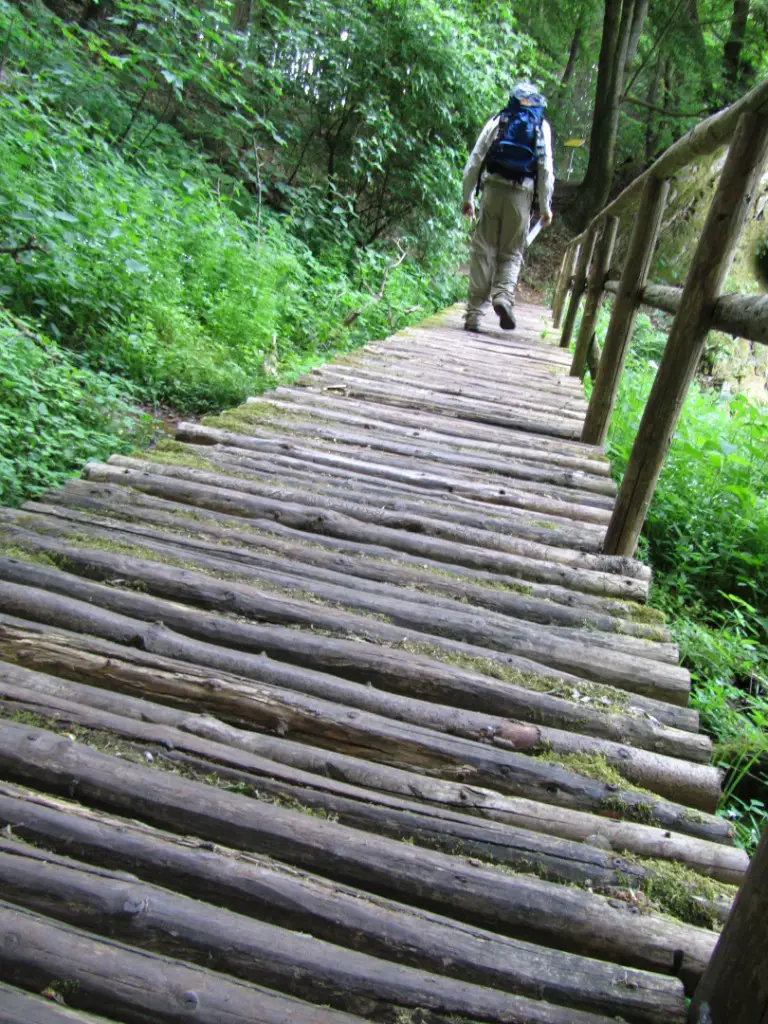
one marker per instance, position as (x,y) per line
(511,158)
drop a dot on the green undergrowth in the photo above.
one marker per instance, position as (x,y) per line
(55,413)
(706,538)
(142,265)
(618,701)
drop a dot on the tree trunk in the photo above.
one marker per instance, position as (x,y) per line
(734,45)
(652,128)
(241,16)
(619,25)
(638,21)
(574,51)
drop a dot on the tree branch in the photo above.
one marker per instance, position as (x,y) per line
(14,251)
(672,114)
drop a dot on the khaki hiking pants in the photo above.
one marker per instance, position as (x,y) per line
(497,245)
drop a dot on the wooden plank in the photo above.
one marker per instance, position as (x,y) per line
(17,1007)
(523,906)
(443,618)
(708,270)
(157,919)
(323,724)
(176,683)
(270,891)
(743,316)
(407,683)
(133,509)
(253,546)
(696,785)
(564,281)
(135,985)
(494,554)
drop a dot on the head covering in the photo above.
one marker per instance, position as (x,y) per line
(528,91)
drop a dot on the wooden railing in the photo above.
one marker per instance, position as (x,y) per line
(698,306)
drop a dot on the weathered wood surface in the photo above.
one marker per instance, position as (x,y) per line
(642,245)
(564,281)
(586,251)
(274,892)
(520,905)
(743,316)
(667,776)
(711,262)
(133,985)
(734,989)
(18,1007)
(594,299)
(256,593)
(162,921)
(361,632)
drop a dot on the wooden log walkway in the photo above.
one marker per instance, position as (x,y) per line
(332,709)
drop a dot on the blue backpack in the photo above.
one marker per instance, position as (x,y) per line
(513,152)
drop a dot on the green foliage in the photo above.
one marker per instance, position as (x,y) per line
(199,282)
(708,526)
(55,415)
(706,537)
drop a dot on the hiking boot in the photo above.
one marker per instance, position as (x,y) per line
(503,310)
(472,324)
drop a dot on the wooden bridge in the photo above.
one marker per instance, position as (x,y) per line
(348,705)
(333,709)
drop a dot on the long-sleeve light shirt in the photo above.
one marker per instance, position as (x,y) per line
(545,179)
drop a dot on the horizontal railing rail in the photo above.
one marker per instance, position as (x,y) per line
(743,316)
(698,306)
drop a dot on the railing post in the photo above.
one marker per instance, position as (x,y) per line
(711,262)
(600,265)
(633,279)
(563,283)
(579,284)
(734,986)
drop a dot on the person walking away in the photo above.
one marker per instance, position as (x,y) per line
(512,158)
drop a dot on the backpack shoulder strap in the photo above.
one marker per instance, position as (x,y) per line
(504,118)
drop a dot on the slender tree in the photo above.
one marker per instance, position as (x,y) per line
(734,44)
(622,26)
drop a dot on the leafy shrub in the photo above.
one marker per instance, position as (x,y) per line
(154,265)
(55,415)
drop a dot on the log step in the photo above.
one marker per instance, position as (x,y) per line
(332,709)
